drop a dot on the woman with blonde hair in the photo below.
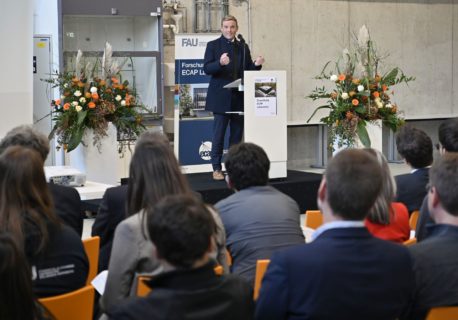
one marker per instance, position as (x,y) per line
(387,220)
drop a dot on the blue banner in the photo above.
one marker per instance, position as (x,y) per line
(190,71)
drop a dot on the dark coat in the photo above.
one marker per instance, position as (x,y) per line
(411,188)
(345,273)
(219,99)
(67,205)
(112,210)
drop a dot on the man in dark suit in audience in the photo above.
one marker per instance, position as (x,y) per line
(416,147)
(181,229)
(448,142)
(345,272)
(258,218)
(112,210)
(436,258)
(67,201)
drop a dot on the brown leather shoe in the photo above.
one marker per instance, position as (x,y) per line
(218,175)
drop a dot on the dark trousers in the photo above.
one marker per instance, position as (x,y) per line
(220,123)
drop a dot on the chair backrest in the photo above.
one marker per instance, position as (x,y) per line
(443,313)
(92,248)
(75,305)
(313,219)
(410,242)
(143,289)
(413,219)
(261,267)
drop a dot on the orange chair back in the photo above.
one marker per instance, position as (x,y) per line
(313,219)
(443,313)
(410,242)
(143,290)
(92,248)
(261,268)
(75,305)
(413,220)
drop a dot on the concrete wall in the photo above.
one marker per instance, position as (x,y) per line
(16,64)
(300,36)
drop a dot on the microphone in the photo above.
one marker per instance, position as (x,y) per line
(240,37)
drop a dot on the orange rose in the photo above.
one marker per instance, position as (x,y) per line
(384,87)
(108,90)
(95,96)
(355,102)
(114,80)
(80,84)
(356,81)
(376,94)
(57,102)
(351,93)
(67,106)
(91,105)
(102,82)
(87,95)
(75,79)
(341,77)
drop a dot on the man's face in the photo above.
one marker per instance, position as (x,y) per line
(229,29)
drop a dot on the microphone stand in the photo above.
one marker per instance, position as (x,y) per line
(242,41)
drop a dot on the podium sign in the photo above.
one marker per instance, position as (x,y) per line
(266,116)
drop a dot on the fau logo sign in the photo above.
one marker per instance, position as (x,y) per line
(189,42)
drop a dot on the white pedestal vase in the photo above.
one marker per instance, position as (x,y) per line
(375,132)
(103,164)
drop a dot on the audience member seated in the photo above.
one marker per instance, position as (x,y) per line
(17,301)
(154,173)
(181,229)
(387,220)
(448,142)
(345,272)
(416,147)
(112,210)
(258,218)
(435,259)
(54,251)
(67,201)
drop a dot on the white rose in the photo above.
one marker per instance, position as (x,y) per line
(78,108)
(74,103)
(378,102)
(345,95)
(118,98)
(388,105)
(83,100)
(123,103)
(65,85)
(77,93)
(333,78)
(62,97)
(93,89)
(360,88)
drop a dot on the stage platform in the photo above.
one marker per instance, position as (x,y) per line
(301,186)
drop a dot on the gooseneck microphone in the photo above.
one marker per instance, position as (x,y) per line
(242,41)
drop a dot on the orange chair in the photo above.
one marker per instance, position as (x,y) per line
(143,289)
(313,219)
(92,248)
(443,313)
(410,242)
(75,305)
(261,268)
(413,220)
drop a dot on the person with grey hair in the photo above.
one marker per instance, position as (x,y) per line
(66,200)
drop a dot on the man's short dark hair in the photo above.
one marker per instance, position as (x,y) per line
(26,136)
(181,227)
(247,165)
(448,134)
(354,181)
(443,175)
(415,146)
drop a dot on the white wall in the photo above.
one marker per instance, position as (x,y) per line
(16,32)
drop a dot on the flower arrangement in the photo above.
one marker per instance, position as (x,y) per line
(361,93)
(90,101)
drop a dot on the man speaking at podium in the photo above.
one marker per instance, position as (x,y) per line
(226,58)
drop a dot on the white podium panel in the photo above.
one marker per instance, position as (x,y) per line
(266,116)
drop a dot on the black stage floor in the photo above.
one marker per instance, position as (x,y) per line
(301,186)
